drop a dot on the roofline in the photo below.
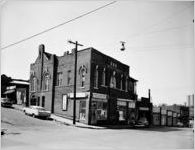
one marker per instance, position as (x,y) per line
(110,57)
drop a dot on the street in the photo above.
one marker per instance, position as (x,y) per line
(25,132)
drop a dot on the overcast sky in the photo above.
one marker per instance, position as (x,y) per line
(159,39)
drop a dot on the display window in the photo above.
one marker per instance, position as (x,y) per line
(82,114)
(122,113)
(100,110)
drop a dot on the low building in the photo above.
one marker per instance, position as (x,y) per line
(105,93)
(144,109)
(18,91)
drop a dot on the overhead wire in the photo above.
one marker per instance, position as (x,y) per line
(160,22)
(162,30)
(49,29)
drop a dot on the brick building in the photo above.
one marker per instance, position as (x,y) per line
(105,92)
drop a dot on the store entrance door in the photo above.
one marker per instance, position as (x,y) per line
(93,113)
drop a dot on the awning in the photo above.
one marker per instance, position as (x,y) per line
(9,91)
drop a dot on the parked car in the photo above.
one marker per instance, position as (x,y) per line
(180,124)
(6,102)
(191,123)
(142,122)
(36,111)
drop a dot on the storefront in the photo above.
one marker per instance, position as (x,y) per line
(156,116)
(126,111)
(122,111)
(99,108)
(82,104)
(163,117)
(169,118)
(174,119)
(131,112)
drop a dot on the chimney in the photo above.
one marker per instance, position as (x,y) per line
(66,53)
(41,49)
(149,96)
(73,51)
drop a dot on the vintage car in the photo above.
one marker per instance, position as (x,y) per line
(6,102)
(37,111)
(180,124)
(142,122)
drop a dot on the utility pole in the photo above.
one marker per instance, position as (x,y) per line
(75,78)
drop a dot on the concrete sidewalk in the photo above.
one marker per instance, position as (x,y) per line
(64,120)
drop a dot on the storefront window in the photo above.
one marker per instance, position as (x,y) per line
(122,110)
(101,111)
(82,110)
(122,113)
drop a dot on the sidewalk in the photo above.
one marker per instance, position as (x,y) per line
(64,120)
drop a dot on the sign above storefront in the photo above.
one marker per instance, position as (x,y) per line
(78,95)
(156,109)
(163,112)
(144,108)
(99,96)
(122,99)
(169,113)
(121,103)
(131,104)
(174,114)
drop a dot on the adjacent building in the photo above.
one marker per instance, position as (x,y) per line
(105,92)
(18,92)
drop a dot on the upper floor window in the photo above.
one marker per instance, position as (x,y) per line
(46,83)
(33,84)
(69,77)
(82,72)
(96,74)
(113,80)
(104,77)
(59,79)
(121,82)
(126,84)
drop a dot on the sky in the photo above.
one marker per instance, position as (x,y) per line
(159,38)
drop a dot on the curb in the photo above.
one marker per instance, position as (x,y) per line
(60,119)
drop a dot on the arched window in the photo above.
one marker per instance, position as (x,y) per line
(96,74)
(126,84)
(121,83)
(46,82)
(104,77)
(82,72)
(113,80)
(33,84)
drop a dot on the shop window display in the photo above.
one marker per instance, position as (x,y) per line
(100,110)
(82,110)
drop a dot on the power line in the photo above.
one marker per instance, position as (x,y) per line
(47,30)
(160,22)
(167,29)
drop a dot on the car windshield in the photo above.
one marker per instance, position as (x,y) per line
(5,100)
(37,107)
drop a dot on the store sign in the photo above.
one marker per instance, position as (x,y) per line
(144,108)
(163,112)
(11,87)
(131,104)
(78,95)
(156,109)
(99,96)
(121,103)
(64,102)
(169,113)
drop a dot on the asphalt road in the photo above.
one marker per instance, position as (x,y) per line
(25,132)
